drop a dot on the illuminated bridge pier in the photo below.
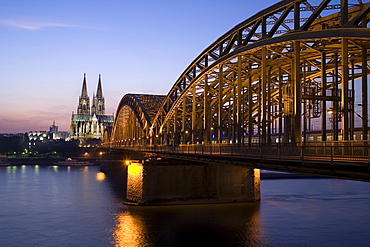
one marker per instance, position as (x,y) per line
(182,182)
(288,83)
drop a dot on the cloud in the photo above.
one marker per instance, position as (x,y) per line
(37,25)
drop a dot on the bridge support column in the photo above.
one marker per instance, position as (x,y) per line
(173,183)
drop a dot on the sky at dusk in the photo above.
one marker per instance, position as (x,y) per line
(137,46)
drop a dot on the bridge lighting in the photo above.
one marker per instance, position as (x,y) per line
(186,132)
(331,111)
(127,162)
(134,169)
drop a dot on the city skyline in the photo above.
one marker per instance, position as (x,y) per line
(137,47)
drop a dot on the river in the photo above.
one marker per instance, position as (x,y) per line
(79,206)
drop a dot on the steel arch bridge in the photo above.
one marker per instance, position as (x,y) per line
(263,81)
(134,118)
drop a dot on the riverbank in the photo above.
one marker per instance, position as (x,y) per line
(42,161)
(45,161)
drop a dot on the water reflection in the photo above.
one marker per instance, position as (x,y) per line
(37,169)
(236,224)
(100,176)
(130,231)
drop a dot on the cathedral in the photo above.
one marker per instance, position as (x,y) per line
(90,123)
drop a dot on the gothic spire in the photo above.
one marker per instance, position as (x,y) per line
(84,101)
(99,91)
(84,88)
(99,104)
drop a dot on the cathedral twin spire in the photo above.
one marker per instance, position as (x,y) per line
(98,107)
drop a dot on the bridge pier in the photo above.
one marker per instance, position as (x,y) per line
(163,182)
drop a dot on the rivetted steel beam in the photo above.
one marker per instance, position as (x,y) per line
(175,129)
(360,16)
(206,112)
(250,110)
(314,15)
(263,93)
(280,76)
(269,118)
(297,14)
(240,118)
(280,21)
(323,94)
(193,115)
(183,128)
(343,11)
(344,96)
(331,33)
(364,94)
(220,103)
(297,128)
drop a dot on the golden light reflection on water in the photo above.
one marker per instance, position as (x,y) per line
(100,176)
(190,225)
(130,231)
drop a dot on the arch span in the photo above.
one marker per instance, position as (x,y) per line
(270,76)
(134,117)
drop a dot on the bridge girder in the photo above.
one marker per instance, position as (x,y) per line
(134,117)
(267,76)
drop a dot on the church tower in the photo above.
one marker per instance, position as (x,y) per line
(84,101)
(98,107)
(90,123)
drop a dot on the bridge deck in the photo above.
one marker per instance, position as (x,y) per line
(338,162)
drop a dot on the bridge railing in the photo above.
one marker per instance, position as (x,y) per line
(342,151)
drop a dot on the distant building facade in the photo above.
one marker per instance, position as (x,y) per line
(35,138)
(56,135)
(90,123)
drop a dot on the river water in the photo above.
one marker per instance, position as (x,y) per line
(79,206)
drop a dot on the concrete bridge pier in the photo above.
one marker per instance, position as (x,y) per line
(159,182)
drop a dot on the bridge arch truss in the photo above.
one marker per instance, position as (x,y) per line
(265,80)
(133,119)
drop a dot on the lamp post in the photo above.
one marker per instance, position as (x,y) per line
(334,120)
